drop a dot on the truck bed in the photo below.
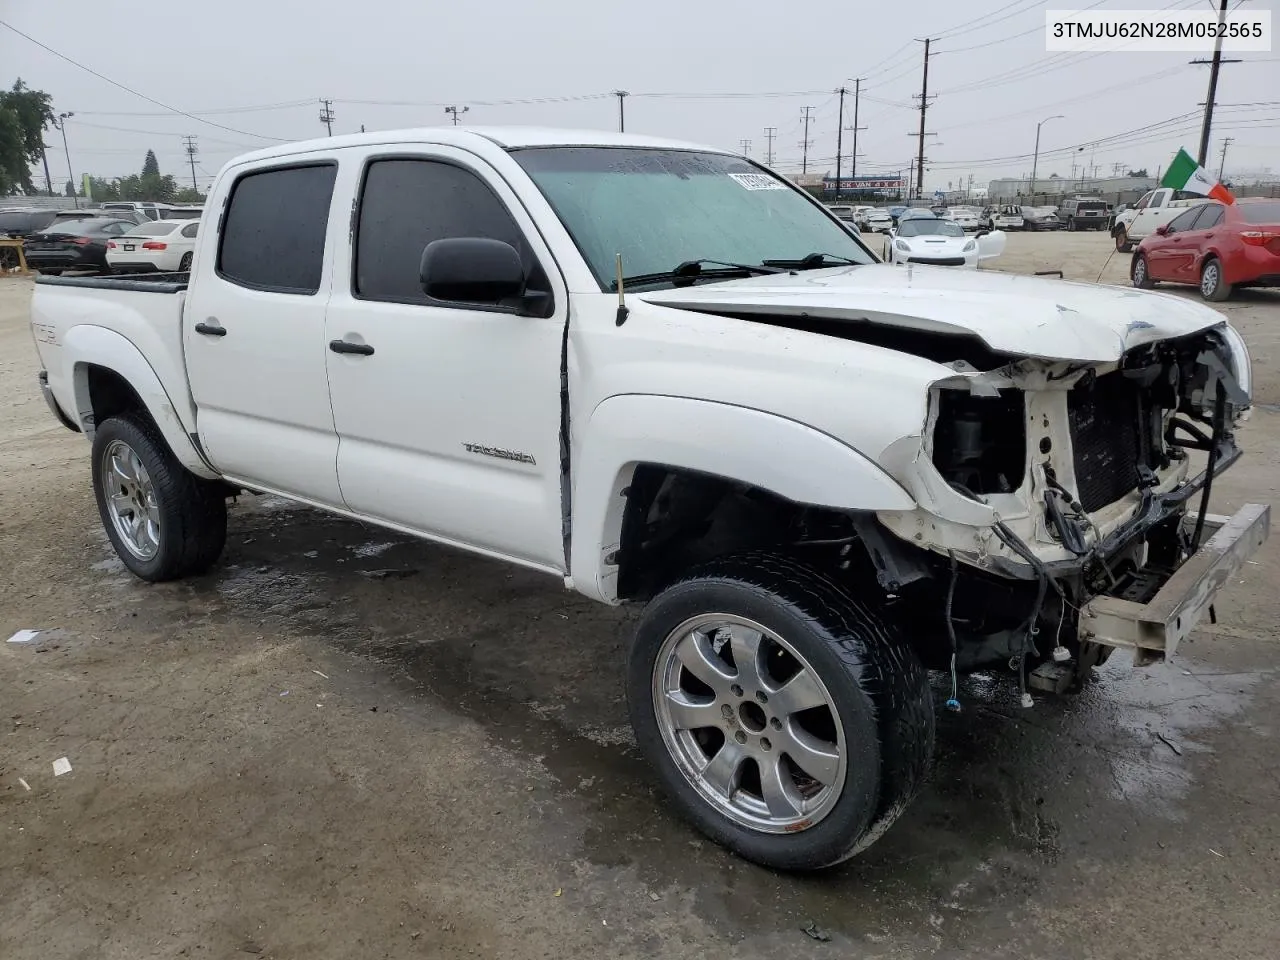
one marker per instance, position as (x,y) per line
(133,282)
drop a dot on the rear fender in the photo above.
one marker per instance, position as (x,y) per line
(86,346)
(784,457)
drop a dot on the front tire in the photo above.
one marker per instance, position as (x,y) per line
(163,521)
(788,721)
(1212,287)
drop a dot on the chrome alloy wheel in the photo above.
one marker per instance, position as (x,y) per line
(749,723)
(1209,279)
(131,500)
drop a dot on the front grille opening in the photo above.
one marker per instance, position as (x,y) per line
(980,443)
(1111,438)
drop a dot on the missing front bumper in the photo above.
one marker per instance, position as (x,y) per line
(1155,628)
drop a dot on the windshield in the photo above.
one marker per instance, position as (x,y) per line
(661,208)
(926,227)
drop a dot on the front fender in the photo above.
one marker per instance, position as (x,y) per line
(87,345)
(785,457)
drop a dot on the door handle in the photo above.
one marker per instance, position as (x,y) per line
(210,331)
(346,346)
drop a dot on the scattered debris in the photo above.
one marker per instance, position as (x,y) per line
(24,636)
(815,932)
(559,891)
(1168,743)
(1217,854)
(284,693)
(654,897)
(63,765)
(25,786)
(319,674)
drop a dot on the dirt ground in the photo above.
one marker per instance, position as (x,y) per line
(344,744)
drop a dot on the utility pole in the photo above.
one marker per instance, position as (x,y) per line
(189,145)
(61,124)
(806,142)
(456,112)
(1035,159)
(746,147)
(839,138)
(622,110)
(1223,165)
(1216,62)
(857,95)
(769,134)
(48,184)
(924,105)
(326,115)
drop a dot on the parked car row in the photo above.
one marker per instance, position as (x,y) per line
(107,244)
(22,222)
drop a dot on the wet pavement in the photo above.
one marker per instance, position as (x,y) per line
(345,743)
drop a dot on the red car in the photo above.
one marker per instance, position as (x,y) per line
(1215,246)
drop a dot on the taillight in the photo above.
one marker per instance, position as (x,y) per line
(1258,238)
(154,245)
(111,244)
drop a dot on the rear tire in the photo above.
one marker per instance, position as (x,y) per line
(852,761)
(1139,273)
(1212,286)
(184,264)
(163,521)
(1122,240)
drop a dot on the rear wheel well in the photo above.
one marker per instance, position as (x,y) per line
(675,519)
(111,395)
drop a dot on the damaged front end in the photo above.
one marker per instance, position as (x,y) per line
(1062,507)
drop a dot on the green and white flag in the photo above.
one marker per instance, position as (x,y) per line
(1187,175)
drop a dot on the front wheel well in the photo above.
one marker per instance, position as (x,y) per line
(676,519)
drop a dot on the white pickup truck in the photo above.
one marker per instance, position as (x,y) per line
(662,374)
(1154,208)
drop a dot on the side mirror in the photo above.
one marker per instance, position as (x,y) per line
(472,270)
(1162,229)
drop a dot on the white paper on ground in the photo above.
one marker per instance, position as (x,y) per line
(60,766)
(24,636)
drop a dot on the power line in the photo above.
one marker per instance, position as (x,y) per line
(1226,142)
(143,96)
(457,112)
(769,134)
(746,147)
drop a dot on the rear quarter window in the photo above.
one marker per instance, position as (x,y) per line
(274,229)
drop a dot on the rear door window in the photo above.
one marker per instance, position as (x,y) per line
(274,230)
(1210,215)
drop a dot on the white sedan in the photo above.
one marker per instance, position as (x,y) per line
(968,219)
(929,240)
(157,246)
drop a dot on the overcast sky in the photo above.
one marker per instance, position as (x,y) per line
(712,73)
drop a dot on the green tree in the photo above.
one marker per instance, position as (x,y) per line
(69,190)
(188,195)
(24,114)
(151,166)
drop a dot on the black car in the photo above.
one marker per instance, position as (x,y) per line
(73,245)
(22,223)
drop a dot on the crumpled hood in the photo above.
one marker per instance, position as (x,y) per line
(1025,316)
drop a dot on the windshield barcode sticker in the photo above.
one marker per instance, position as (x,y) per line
(757,181)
